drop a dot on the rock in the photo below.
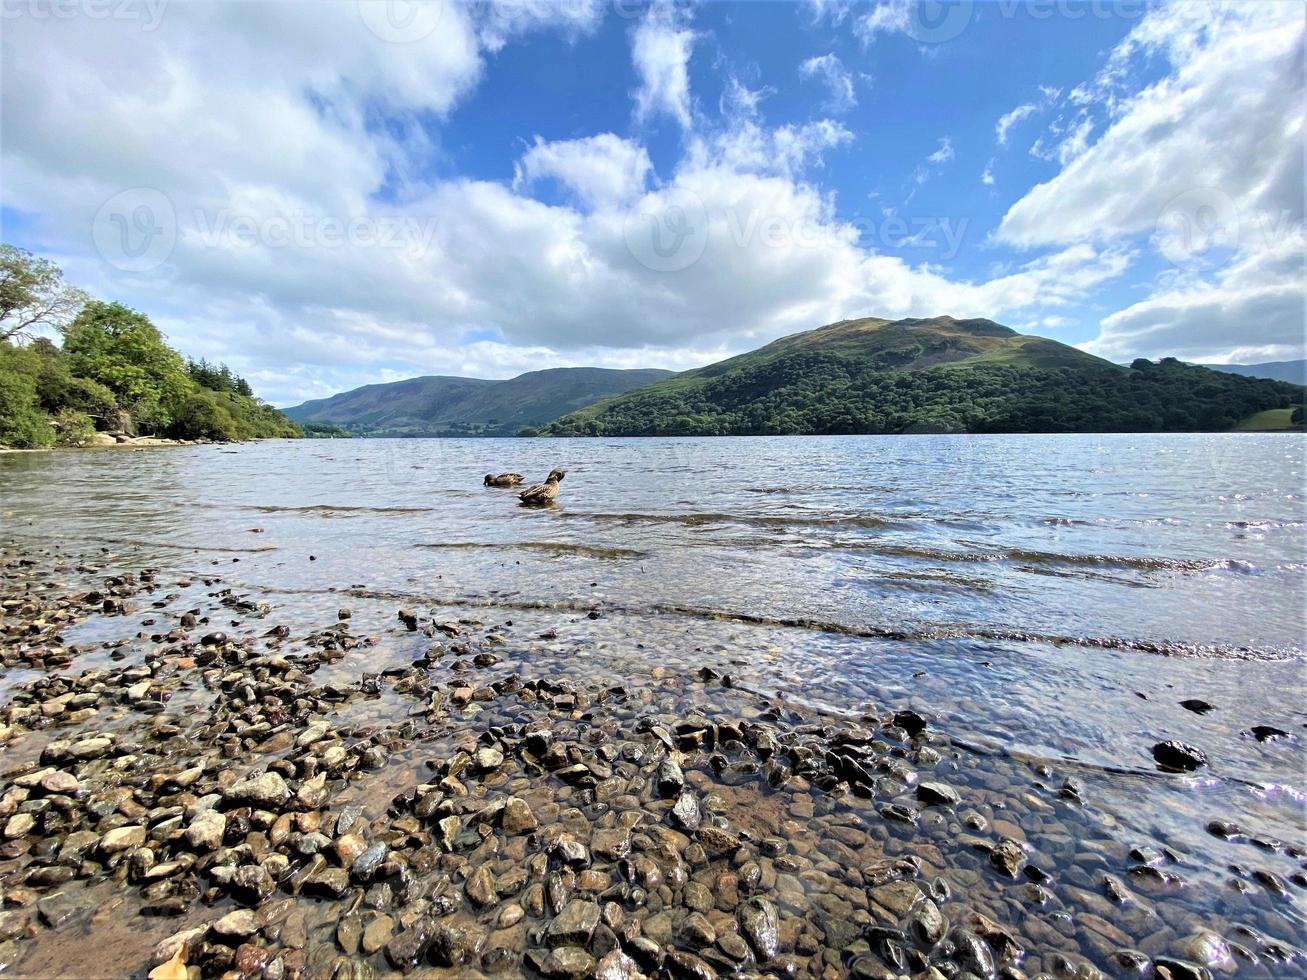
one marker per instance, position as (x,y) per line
(567,962)
(1197,706)
(937,794)
(1007,857)
(377,933)
(1176,756)
(348,847)
(910,722)
(611,844)
(616,965)
(927,924)
(121,839)
(517,817)
(1210,950)
(349,931)
(1167,968)
(969,952)
(19,825)
(251,960)
(252,884)
(206,831)
(64,783)
(898,898)
(760,923)
(480,887)
(457,941)
(574,925)
(240,924)
(268,791)
(367,863)
(57,909)
(669,779)
(405,949)
(685,812)
(312,792)
(1268,733)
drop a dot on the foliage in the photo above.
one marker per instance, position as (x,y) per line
(122,350)
(822,392)
(22,424)
(324,430)
(115,368)
(74,428)
(528,432)
(33,294)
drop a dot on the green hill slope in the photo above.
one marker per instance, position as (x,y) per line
(939,375)
(469,406)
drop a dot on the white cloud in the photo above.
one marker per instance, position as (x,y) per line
(660,50)
(828,69)
(945,152)
(1010,119)
(885,17)
(1206,165)
(1253,310)
(1229,117)
(987,177)
(603,170)
(502,20)
(239,121)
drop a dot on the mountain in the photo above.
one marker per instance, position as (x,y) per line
(939,375)
(1291,371)
(469,406)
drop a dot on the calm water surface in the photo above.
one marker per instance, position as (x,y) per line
(1053,597)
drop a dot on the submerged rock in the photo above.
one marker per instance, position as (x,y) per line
(1178,756)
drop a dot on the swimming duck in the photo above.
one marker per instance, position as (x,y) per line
(543,493)
(503,479)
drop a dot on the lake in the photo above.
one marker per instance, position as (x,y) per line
(1046,602)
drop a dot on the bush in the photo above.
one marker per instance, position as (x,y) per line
(74,428)
(22,423)
(201,417)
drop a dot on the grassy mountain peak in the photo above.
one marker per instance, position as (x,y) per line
(941,374)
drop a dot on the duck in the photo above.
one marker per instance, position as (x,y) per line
(503,479)
(543,493)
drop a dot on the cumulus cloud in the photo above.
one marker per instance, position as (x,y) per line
(660,51)
(944,153)
(315,250)
(830,71)
(602,171)
(1253,310)
(1206,165)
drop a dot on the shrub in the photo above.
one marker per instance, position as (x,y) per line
(74,428)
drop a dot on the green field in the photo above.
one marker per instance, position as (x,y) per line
(1271,420)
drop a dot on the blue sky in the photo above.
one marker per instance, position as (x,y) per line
(384,189)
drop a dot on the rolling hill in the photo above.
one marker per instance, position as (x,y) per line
(1292,371)
(436,406)
(938,375)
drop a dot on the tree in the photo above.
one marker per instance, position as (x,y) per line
(33,294)
(22,423)
(122,350)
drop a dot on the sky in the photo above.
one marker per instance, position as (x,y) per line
(330,194)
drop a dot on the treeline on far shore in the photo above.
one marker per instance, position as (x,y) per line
(112,371)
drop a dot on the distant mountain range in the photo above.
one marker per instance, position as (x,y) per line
(939,375)
(447,406)
(1294,372)
(868,375)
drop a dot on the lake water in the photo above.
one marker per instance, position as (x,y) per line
(1050,600)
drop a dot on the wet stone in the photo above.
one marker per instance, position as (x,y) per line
(760,924)
(933,793)
(1174,756)
(574,925)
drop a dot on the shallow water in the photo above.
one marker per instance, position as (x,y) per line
(1052,599)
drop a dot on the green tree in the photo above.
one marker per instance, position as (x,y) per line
(199,416)
(22,423)
(74,428)
(33,294)
(122,350)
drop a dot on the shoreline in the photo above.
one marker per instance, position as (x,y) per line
(306,790)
